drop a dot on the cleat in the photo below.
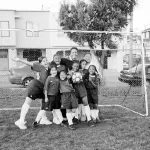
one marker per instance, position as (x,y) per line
(35,124)
(71,127)
(91,124)
(75,121)
(21,125)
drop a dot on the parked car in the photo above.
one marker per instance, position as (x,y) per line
(134,75)
(21,75)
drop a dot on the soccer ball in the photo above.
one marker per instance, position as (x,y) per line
(76,77)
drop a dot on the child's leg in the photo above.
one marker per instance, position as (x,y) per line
(79,111)
(92,112)
(42,116)
(87,108)
(69,116)
(59,115)
(24,110)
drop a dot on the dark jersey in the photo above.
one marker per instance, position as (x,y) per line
(66,86)
(52,85)
(89,84)
(67,63)
(43,72)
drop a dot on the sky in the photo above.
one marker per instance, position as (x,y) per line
(140,14)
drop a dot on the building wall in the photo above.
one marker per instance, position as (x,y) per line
(42,20)
(9,16)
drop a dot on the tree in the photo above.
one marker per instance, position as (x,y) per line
(99,15)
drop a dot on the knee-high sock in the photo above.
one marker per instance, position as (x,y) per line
(93,115)
(59,115)
(83,110)
(88,112)
(24,110)
(55,117)
(40,115)
(79,111)
(69,117)
(44,115)
(96,111)
(76,114)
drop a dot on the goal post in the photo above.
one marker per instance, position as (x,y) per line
(123,92)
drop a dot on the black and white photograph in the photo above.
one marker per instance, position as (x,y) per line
(74,75)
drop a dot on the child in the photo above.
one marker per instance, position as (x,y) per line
(68,98)
(35,91)
(81,111)
(52,96)
(81,92)
(91,82)
(56,62)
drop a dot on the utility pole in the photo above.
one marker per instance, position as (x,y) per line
(131,40)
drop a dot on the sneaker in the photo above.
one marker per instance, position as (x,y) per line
(91,124)
(21,125)
(35,124)
(75,121)
(71,127)
(45,122)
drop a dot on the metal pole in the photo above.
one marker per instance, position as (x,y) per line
(144,76)
(131,41)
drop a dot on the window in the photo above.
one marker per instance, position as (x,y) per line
(32,54)
(4,25)
(32,26)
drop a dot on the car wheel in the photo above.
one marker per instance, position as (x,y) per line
(26,81)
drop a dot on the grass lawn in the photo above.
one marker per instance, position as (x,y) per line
(120,129)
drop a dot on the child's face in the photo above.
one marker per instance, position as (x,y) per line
(75,67)
(83,64)
(53,71)
(63,75)
(88,57)
(44,62)
(92,70)
(56,59)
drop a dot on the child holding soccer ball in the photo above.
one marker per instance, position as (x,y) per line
(80,90)
(91,82)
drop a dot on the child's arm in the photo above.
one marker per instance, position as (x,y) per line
(46,86)
(23,61)
(95,84)
(46,98)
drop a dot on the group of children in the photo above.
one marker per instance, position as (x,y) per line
(79,98)
(61,90)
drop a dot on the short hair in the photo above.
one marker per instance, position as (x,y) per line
(74,48)
(40,59)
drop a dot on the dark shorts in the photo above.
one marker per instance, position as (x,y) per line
(80,91)
(35,90)
(53,102)
(92,96)
(69,100)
